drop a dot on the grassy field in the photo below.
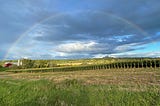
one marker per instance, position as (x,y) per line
(110,87)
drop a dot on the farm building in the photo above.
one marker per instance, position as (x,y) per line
(9,64)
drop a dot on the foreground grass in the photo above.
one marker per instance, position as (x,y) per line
(116,87)
(73,93)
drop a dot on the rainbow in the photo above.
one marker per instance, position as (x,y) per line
(52,16)
(27,31)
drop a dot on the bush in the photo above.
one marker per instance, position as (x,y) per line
(2,68)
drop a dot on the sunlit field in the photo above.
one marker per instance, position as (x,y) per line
(109,87)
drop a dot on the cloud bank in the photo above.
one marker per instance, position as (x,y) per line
(81,29)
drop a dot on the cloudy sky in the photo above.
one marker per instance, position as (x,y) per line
(68,29)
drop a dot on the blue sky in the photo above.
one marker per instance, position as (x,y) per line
(68,29)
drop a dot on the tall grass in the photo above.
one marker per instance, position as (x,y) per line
(73,93)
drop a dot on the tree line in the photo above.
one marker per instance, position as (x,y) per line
(45,66)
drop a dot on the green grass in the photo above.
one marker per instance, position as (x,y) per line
(74,93)
(107,87)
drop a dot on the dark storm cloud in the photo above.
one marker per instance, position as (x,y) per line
(83,25)
(101,21)
(17,16)
(109,31)
(145,13)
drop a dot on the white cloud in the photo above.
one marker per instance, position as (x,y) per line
(135,54)
(77,47)
(100,55)
(126,47)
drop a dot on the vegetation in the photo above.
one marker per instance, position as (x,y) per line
(124,82)
(99,63)
(28,65)
(2,68)
(112,87)
(72,93)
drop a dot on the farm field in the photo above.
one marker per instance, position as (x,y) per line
(104,87)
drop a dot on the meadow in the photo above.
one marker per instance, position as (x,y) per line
(102,87)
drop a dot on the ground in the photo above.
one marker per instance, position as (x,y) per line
(92,87)
(148,76)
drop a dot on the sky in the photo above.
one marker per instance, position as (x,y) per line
(71,29)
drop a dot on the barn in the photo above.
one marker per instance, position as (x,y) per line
(8,64)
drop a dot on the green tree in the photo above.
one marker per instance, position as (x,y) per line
(27,63)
